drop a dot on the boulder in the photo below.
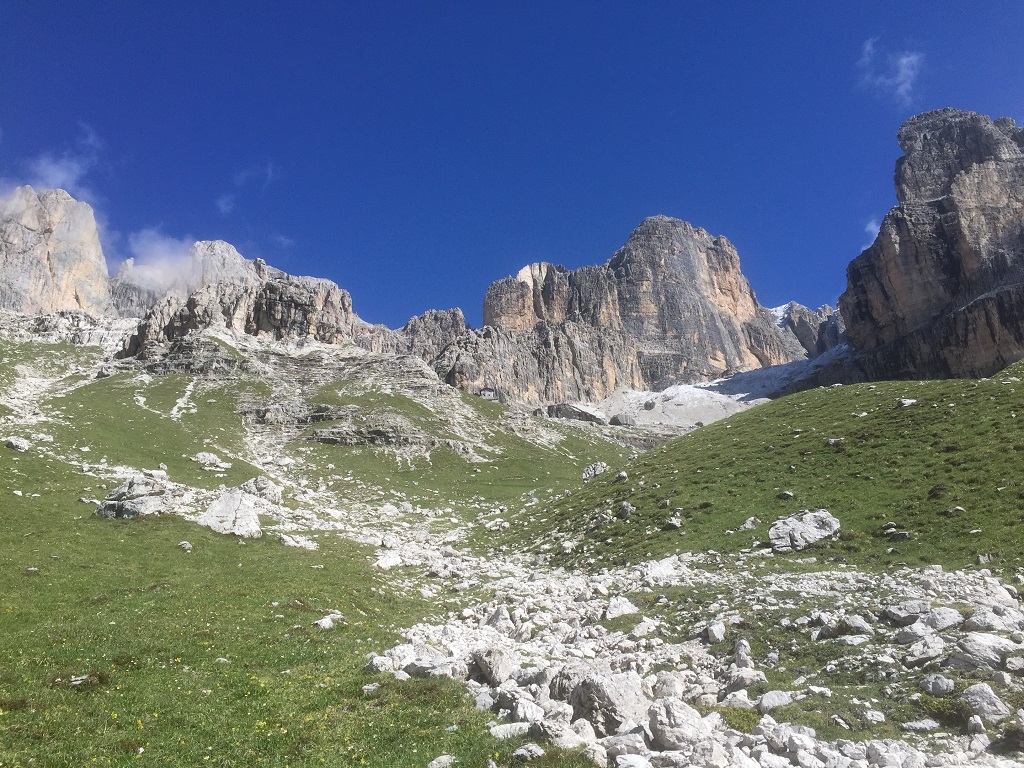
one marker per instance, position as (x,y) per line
(19,444)
(801,530)
(496,664)
(609,701)
(980,650)
(937,685)
(674,724)
(137,496)
(984,703)
(234,512)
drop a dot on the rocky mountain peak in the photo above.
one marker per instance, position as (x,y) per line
(939,292)
(941,144)
(50,255)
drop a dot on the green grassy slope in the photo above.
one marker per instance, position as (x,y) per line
(150,626)
(500,472)
(854,450)
(120,648)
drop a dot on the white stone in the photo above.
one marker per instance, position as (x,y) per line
(234,512)
(802,530)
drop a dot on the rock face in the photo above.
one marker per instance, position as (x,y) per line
(249,297)
(814,331)
(138,288)
(941,290)
(670,306)
(50,255)
(424,335)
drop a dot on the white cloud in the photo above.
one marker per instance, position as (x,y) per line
(226,204)
(890,74)
(871,229)
(151,246)
(158,261)
(258,174)
(283,240)
(67,170)
(263,173)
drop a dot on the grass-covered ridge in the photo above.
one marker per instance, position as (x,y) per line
(945,469)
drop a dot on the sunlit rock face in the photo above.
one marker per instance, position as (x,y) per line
(138,287)
(671,306)
(50,255)
(248,297)
(940,293)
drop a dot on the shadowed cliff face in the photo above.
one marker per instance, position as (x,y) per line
(50,255)
(937,293)
(671,306)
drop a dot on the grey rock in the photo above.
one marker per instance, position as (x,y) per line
(19,444)
(264,488)
(941,619)
(593,470)
(980,650)
(528,752)
(137,496)
(927,649)
(985,703)
(674,724)
(619,606)
(496,664)
(510,730)
(921,726)
(50,255)
(939,291)
(801,530)
(937,685)
(772,699)
(234,512)
(907,612)
(715,632)
(609,701)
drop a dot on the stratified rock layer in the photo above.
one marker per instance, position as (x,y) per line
(50,255)
(940,291)
(670,306)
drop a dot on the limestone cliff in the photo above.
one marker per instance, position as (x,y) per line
(423,336)
(137,288)
(249,297)
(50,255)
(813,331)
(671,306)
(939,292)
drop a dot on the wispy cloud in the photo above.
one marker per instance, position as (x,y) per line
(282,240)
(890,74)
(226,204)
(68,170)
(158,261)
(150,246)
(261,173)
(871,229)
(255,175)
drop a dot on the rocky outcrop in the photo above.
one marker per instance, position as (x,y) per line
(941,290)
(251,298)
(50,255)
(138,288)
(424,335)
(813,331)
(670,306)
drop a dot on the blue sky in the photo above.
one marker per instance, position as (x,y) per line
(416,151)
